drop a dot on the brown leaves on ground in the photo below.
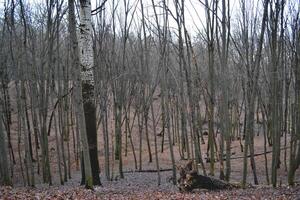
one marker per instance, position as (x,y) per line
(71,192)
(57,193)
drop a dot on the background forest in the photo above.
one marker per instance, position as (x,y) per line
(128,86)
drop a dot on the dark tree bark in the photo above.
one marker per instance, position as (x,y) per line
(190,180)
(90,121)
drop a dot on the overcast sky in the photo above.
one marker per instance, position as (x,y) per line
(195,14)
(194,11)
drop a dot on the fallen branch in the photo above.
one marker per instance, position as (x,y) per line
(148,171)
(257,154)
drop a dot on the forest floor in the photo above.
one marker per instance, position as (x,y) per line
(138,185)
(143,185)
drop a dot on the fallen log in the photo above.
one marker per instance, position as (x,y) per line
(190,180)
(197,181)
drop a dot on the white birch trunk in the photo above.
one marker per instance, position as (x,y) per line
(82,57)
(87,95)
(86,43)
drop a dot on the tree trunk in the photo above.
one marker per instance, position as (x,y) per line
(87,176)
(87,78)
(4,163)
